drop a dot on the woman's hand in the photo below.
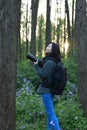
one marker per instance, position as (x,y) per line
(36,62)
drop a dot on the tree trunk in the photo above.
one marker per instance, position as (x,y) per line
(18,32)
(73,23)
(34,8)
(58,23)
(40,24)
(64,35)
(48,23)
(81,34)
(73,3)
(27,28)
(8,41)
(68,19)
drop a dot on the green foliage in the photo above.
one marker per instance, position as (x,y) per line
(29,111)
(26,73)
(40,40)
(70,114)
(71,65)
(31,115)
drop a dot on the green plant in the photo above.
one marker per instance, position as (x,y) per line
(26,73)
(70,114)
(29,111)
(71,65)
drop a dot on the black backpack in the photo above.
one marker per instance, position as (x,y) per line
(57,82)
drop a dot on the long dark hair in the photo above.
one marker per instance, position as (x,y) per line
(55,52)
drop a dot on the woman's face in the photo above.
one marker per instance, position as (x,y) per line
(48,48)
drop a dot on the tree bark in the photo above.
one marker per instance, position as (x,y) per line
(68,19)
(18,8)
(73,3)
(27,28)
(34,8)
(48,23)
(40,26)
(81,37)
(8,47)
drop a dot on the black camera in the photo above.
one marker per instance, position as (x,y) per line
(31,57)
(34,59)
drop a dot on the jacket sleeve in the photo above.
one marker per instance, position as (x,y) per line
(47,69)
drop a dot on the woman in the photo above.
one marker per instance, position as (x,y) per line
(45,72)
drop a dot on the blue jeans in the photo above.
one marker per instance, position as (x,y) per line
(53,123)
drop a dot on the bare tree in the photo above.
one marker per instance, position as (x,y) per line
(34,8)
(8,40)
(27,27)
(58,22)
(73,5)
(18,7)
(68,19)
(64,32)
(48,23)
(81,37)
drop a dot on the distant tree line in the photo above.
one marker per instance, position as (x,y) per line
(61,31)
